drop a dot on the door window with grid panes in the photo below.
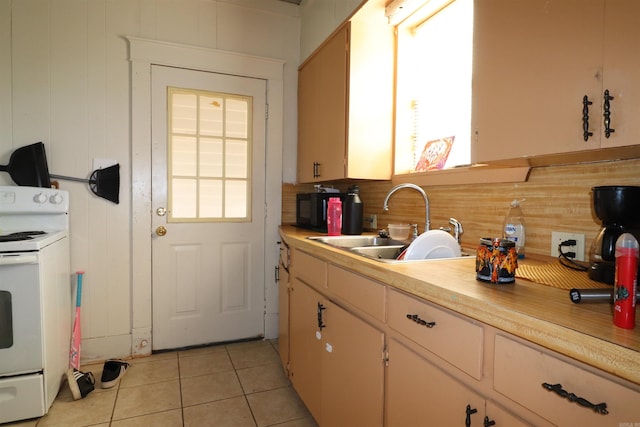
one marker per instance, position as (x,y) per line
(209,156)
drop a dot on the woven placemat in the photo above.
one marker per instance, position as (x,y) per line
(557,275)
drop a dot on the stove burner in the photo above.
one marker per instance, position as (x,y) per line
(20,235)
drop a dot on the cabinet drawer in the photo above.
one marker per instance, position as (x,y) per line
(363,293)
(454,339)
(520,371)
(309,269)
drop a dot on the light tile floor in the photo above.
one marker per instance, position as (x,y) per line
(234,385)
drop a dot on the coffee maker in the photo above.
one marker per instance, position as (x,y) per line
(618,207)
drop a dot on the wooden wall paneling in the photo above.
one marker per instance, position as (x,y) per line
(558,198)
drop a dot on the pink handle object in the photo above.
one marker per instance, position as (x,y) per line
(74,351)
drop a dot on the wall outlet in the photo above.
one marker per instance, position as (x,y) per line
(560,236)
(372,221)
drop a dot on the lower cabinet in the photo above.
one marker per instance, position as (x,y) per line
(336,361)
(420,394)
(561,392)
(305,349)
(364,354)
(283,317)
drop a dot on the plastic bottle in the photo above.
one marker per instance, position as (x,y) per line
(624,291)
(352,212)
(334,216)
(514,227)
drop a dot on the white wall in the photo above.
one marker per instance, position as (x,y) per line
(318,19)
(65,80)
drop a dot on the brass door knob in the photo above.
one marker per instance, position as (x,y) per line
(161,231)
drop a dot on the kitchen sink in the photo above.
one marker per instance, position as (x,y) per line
(349,242)
(389,254)
(373,247)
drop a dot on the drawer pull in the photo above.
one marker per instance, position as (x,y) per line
(420,321)
(600,408)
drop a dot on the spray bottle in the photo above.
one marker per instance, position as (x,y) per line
(514,227)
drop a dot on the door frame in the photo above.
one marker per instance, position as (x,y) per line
(143,53)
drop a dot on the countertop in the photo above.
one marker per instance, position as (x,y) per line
(539,313)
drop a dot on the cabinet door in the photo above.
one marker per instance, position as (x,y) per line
(322,111)
(501,417)
(621,71)
(420,394)
(353,371)
(534,61)
(283,316)
(306,346)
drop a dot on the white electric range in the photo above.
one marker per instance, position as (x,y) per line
(36,290)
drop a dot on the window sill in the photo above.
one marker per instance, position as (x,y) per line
(465,175)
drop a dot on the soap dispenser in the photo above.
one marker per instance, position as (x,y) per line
(514,227)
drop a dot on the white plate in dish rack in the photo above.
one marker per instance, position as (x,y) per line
(433,244)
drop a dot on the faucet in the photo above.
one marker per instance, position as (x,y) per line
(457,229)
(427,221)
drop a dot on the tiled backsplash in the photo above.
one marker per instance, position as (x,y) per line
(558,198)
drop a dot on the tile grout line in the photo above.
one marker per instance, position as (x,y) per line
(180,387)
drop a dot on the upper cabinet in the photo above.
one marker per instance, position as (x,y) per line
(345,100)
(621,71)
(534,63)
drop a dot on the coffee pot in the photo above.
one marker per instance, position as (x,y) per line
(618,207)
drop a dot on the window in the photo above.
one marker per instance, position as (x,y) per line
(209,152)
(433,86)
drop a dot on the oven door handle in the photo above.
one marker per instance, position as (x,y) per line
(18,259)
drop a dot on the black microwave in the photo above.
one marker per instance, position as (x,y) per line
(311,209)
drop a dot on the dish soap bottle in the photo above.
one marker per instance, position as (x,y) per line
(514,227)
(352,212)
(334,216)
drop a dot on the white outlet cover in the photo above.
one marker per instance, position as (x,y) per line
(559,236)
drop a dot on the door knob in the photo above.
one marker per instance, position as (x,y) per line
(161,231)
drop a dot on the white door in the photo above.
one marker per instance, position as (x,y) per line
(208,207)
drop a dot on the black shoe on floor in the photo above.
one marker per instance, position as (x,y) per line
(112,371)
(80,383)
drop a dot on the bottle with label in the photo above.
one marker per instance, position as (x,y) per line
(626,282)
(334,216)
(352,212)
(514,227)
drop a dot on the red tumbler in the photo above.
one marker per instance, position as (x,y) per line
(624,293)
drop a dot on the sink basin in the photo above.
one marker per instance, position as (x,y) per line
(349,242)
(389,254)
(373,247)
(380,253)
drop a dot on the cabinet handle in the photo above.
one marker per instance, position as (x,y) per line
(607,114)
(419,321)
(470,411)
(320,322)
(488,422)
(600,408)
(585,117)
(316,170)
